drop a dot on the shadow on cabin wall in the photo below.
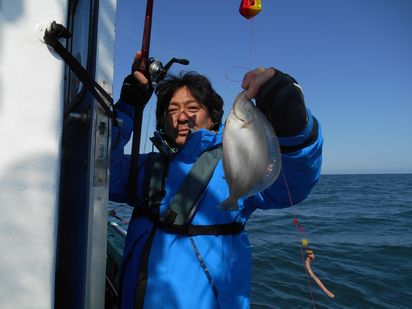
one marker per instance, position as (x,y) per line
(10,12)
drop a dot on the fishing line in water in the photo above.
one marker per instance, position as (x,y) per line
(300,228)
(304,243)
(248,9)
(304,248)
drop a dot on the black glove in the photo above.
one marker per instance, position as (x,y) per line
(281,100)
(134,93)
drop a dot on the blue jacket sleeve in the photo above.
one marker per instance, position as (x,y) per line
(301,165)
(119,163)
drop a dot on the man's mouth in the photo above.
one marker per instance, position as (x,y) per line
(183,131)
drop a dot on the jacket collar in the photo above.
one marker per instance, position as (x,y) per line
(198,142)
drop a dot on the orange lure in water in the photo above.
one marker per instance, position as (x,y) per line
(250,8)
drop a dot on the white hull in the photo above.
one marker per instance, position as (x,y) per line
(32,102)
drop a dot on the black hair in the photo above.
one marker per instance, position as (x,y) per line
(200,88)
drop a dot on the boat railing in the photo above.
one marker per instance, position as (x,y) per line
(118,229)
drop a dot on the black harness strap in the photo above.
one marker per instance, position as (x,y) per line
(189,229)
(194,230)
(143,273)
(153,187)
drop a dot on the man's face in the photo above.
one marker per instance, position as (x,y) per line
(184,114)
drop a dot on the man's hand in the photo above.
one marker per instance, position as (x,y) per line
(255,79)
(136,89)
(279,97)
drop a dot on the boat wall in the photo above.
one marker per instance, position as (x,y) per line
(54,158)
(100,156)
(84,181)
(31,101)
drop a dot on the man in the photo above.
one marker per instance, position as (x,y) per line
(182,251)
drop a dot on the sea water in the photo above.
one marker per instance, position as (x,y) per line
(360,228)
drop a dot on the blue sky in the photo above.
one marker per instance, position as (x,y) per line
(353,60)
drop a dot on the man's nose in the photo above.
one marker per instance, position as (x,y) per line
(183,116)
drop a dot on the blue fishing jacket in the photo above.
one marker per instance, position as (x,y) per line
(168,265)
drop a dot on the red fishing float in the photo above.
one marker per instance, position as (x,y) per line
(250,8)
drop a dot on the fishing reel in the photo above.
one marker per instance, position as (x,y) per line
(157,72)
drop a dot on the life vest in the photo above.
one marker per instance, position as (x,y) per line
(184,204)
(182,209)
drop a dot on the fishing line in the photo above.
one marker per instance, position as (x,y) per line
(250,57)
(238,67)
(251,44)
(303,242)
(295,220)
(300,228)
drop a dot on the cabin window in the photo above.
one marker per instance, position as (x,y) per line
(79,24)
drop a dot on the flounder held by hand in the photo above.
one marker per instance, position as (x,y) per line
(251,153)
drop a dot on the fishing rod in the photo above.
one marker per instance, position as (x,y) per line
(154,71)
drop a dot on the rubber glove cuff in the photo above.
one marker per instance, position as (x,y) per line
(134,93)
(281,100)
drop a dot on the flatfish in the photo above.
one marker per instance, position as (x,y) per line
(251,153)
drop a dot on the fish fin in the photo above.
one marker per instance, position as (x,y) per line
(230,204)
(274,164)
